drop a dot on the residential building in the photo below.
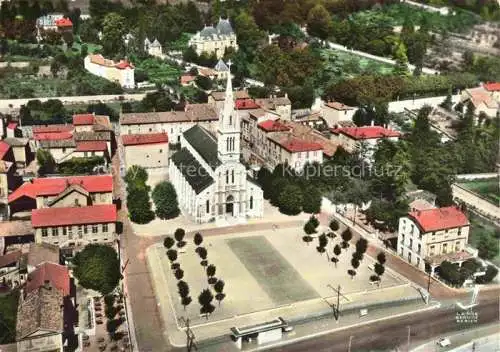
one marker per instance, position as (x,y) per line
(146,150)
(52,22)
(482,99)
(174,123)
(333,112)
(187,79)
(493,89)
(282,106)
(216,99)
(42,322)
(210,180)
(72,228)
(121,72)
(433,235)
(215,40)
(13,130)
(62,192)
(14,234)
(222,70)
(21,151)
(12,271)
(153,48)
(366,137)
(284,148)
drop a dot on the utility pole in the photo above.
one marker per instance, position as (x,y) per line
(336,308)
(189,336)
(409,329)
(429,280)
(350,343)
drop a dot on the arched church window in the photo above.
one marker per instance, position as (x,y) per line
(251,202)
(232,176)
(208,207)
(227,176)
(230,119)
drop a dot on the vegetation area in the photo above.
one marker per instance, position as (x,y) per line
(454,275)
(488,9)
(486,188)
(156,71)
(484,236)
(8,316)
(74,166)
(97,267)
(138,203)
(165,200)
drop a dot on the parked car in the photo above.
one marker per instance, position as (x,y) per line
(444,342)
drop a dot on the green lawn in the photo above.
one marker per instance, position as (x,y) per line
(8,314)
(481,227)
(487,188)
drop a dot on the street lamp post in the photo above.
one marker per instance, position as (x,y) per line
(409,329)
(350,343)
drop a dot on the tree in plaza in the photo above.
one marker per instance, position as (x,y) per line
(309,228)
(185,301)
(198,239)
(265,179)
(358,256)
(401,67)
(355,263)
(205,299)
(165,200)
(138,205)
(172,256)
(179,274)
(352,273)
(202,252)
(168,242)
(97,267)
(319,22)
(277,187)
(334,260)
(290,200)
(219,288)
(379,269)
(346,237)
(179,237)
(337,250)
(311,202)
(211,269)
(46,162)
(334,225)
(381,258)
(490,274)
(322,243)
(113,32)
(307,239)
(183,288)
(361,245)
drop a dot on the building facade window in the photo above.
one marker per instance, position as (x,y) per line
(251,202)
(445,248)
(104,227)
(80,230)
(207,210)
(432,248)
(55,231)
(70,230)
(232,176)
(65,231)
(45,232)
(85,229)
(94,228)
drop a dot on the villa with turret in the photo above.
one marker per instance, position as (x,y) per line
(215,39)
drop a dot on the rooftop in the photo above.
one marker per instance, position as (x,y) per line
(98,59)
(204,143)
(140,139)
(41,309)
(52,136)
(245,104)
(91,146)
(238,94)
(52,128)
(439,218)
(83,119)
(56,274)
(12,125)
(294,144)
(187,163)
(55,185)
(10,258)
(480,96)
(4,149)
(192,113)
(95,214)
(64,22)
(366,132)
(492,86)
(273,126)
(16,142)
(42,253)
(339,106)
(272,102)
(15,228)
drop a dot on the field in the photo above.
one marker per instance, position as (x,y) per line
(339,65)
(487,188)
(8,313)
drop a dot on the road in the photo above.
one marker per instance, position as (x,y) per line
(394,333)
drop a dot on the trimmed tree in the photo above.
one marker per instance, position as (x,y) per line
(198,239)
(185,301)
(179,274)
(205,299)
(211,269)
(97,267)
(202,252)
(165,200)
(334,225)
(355,263)
(358,256)
(361,246)
(335,260)
(179,237)
(311,201)
(183,288)
(219,288)
(309,228)
(381,258)
(168,242)
(290,200)
(379,270)
(337,250)
(307,239)
(352,273)
(172,256)
(346,237)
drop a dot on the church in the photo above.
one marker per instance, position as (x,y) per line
(211,182)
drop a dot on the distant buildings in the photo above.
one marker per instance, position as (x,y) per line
(153,48)
(52,22)
(148,150)
(214,40)
(486,99)
(120,72)
(431,236)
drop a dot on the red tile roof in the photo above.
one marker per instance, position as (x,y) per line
(185,79)
(366,132)
(10,258)
(296,145)
(95,214)
(4,149)
(123,64)
(52,128)
(83,119)
(57,275)
(273,126)
(151,138)
(98,59)
(55,185)
(64,22)
(245,104)
(91,146)
(439,218)
(338,106)
(492,87)
(52,136)
(12,125)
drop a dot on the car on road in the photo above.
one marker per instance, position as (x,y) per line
(288,328)
(444,342)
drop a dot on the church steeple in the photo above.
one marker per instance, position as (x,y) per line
(228,142)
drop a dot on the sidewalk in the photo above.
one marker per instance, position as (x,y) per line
(487,339)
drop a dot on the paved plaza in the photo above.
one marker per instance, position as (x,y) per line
(267,274)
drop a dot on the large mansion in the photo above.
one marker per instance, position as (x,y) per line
(215,40)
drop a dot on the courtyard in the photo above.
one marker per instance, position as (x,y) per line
(267,274)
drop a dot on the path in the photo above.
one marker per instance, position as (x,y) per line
(479,204)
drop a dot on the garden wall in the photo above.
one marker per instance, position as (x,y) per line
(415,104)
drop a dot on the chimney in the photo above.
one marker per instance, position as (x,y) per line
(373,123)
(46,285)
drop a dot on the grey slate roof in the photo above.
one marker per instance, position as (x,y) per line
(63,143)
(197,177)
(224,27)
(208,32)
(221,66)
(204,143)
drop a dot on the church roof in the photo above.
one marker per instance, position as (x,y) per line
(204,143)
(197,177)
(224,27)
(221,66)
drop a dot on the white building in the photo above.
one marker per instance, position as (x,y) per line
(215,40)
(482,99)
(210,180)
(153,48)
(334,112)
(222,70)
(120,72)
(432,236)
(146,150)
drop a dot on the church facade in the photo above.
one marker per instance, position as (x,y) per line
(211,182)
